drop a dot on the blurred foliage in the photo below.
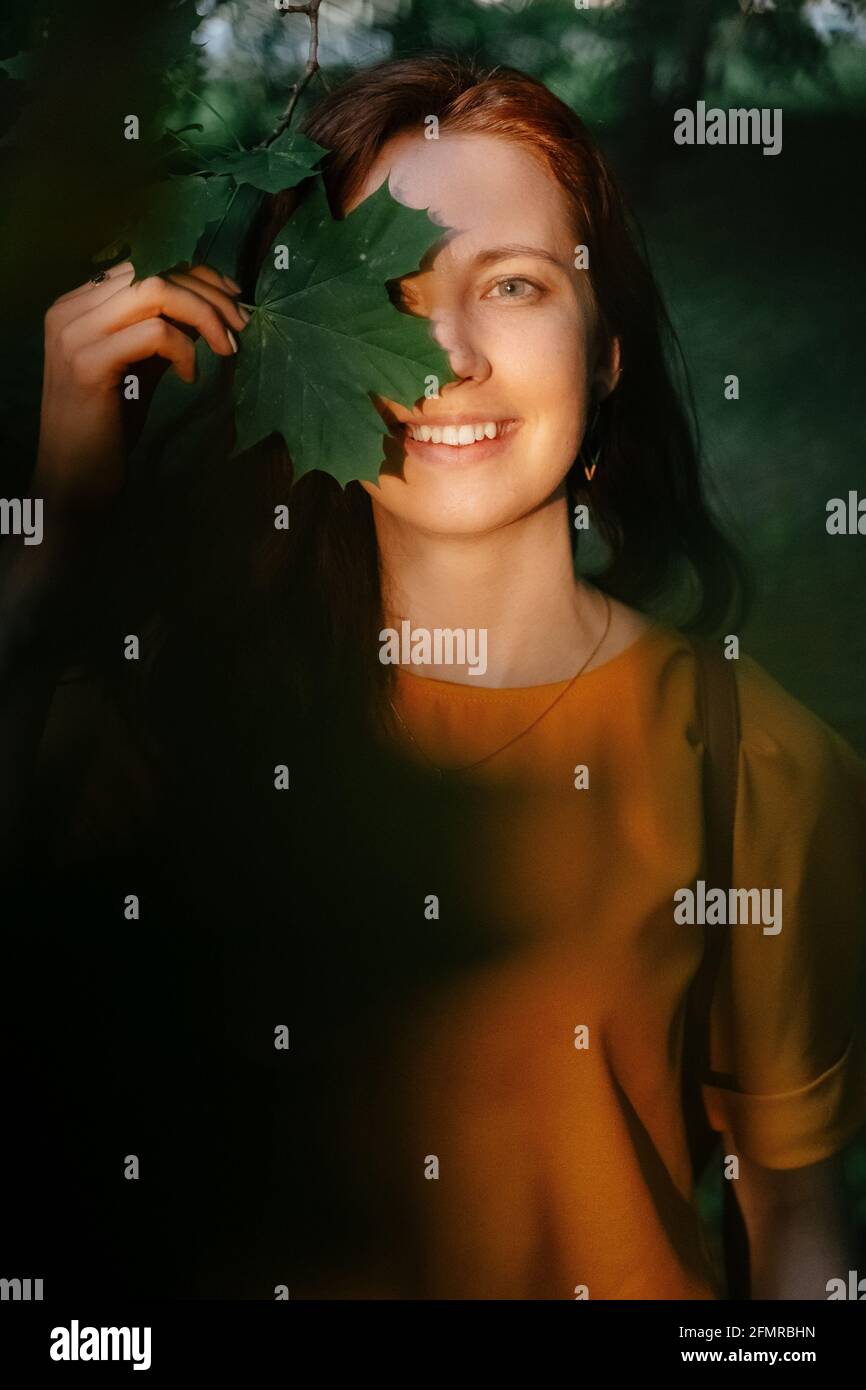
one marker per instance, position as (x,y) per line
(622,64)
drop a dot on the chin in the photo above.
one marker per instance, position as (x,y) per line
(452,506)
(445,516)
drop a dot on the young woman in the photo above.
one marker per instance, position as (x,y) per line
(524,1125)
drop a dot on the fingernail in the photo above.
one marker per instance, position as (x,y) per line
(243,313)
(232,339)
(233,284)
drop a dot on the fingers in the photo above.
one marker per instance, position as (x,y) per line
(70,306)
(213,290)
(148,299)
(88,295)
(102,363)
(208,273)
(116,272)
(98,330)
(125,268)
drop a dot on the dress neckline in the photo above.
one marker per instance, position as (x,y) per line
(412,680)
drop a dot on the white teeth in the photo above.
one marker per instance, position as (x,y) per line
(454,434)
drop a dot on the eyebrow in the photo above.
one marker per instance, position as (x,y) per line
(501,253)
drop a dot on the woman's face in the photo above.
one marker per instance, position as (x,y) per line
(517,321)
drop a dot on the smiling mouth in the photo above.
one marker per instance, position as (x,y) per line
(457,436)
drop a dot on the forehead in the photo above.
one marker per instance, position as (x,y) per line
(488,189)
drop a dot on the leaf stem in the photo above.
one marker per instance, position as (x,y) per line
(206,251)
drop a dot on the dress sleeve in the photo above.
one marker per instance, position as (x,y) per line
(787,1027)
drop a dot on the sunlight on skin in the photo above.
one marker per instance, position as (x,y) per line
(485,541)
(519,332)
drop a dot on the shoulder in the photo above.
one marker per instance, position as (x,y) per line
(775,724)
(778,733)
(785,748)
(801,798)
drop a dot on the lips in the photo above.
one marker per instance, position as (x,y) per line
(429,451)
(457,434)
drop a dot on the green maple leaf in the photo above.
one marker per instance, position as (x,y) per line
(281,165)
(178,209)
(324,335)
(181,209)
(221,242)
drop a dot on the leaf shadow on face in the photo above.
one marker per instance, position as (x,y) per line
(406,301)
(394,458)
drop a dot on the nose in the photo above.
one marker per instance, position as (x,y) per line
(466,357)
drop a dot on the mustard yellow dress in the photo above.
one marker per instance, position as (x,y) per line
(544,1146)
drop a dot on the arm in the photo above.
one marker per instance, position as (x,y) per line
(92,335)
(34,582)
(799,1226)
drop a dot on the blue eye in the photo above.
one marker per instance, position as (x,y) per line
(517,280)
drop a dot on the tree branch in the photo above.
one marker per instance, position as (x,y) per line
(311,9)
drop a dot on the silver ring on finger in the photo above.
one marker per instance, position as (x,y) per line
(98,278)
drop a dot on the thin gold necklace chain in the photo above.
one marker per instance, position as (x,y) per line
(449,771)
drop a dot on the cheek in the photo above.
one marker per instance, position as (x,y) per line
(542,366)
(544,356)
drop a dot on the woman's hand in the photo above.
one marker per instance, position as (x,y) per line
(92,336)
